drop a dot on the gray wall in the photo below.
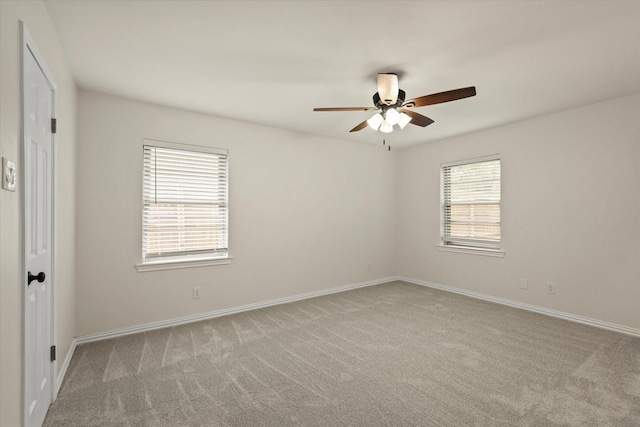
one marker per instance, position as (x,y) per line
(306,214)
(570,209)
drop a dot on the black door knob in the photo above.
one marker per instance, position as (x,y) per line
(40,277)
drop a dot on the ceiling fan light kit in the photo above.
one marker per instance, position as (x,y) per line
(392,109)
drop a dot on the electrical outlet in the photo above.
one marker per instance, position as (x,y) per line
(524,284)
(551,288)
(196,292)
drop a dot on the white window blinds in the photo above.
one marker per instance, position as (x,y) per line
(185,203)
(471,203)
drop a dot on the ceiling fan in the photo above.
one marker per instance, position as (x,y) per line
(392,109)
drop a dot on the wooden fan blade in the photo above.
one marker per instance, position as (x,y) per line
(439,98)
(359,127)
(417,119)
(346,109)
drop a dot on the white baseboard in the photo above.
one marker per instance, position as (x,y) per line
(223,312)
(65,366)
(217,313)
(559,314)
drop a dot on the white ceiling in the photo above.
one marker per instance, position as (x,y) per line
(271,62)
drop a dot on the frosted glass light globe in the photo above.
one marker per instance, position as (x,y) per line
(404,120)
(375,121)
(392,116)
(386,127)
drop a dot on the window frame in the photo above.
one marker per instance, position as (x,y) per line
(476,247)
(174,261)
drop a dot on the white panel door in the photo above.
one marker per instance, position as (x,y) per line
(38,189)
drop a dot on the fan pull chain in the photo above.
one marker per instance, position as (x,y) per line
(384,142)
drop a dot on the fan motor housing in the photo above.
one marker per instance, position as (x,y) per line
(379,104)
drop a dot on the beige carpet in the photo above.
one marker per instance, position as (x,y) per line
(390,355)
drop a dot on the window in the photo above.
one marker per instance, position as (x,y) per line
(471,204)
(185,213)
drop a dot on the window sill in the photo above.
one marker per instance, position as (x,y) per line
(175,264)
(471,251)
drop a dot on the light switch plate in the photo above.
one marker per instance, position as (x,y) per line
(9,175)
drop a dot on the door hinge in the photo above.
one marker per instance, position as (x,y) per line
(53,353)
(54,125)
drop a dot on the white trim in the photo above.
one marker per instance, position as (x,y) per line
(54,287)
(225,311)
(188,147)
(186,263)
(541,310)
(488,158)
(470,250)
(65,365)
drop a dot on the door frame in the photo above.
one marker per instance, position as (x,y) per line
(28,47)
